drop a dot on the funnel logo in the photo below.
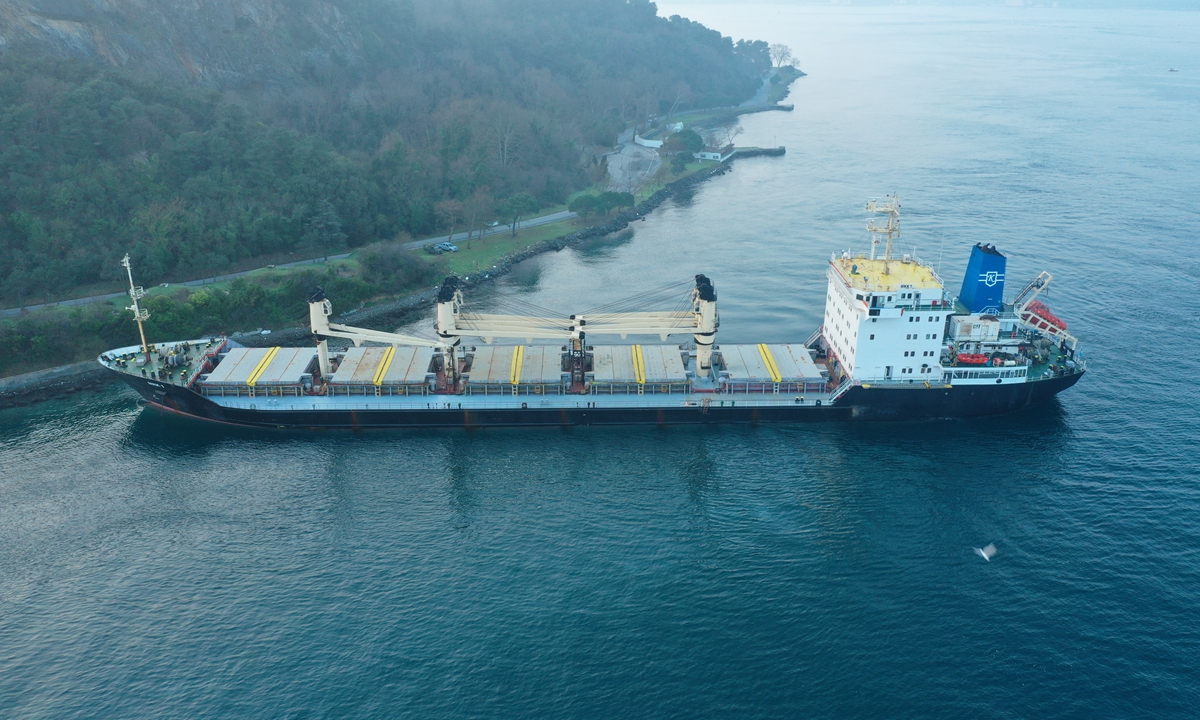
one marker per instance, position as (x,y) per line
(991,279)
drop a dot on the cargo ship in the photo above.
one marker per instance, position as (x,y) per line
(893,346)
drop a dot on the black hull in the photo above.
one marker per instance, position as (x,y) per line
(875,403)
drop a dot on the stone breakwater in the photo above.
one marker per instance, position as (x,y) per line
(59,382)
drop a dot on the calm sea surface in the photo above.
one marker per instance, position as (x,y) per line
(150,568)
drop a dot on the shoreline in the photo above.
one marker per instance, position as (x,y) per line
(59,382)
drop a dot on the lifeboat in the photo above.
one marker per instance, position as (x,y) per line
(1044,318)
(972,359)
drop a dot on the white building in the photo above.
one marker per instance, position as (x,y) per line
(884,319)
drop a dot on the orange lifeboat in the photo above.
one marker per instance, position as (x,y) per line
(972,359)
(1046,317)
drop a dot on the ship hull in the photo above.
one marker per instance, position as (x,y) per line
(897,403)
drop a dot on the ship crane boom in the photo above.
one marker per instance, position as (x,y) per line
(319,310)
(701,321)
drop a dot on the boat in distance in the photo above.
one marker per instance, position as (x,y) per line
(893,346)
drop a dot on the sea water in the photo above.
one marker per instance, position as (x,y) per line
(152,567)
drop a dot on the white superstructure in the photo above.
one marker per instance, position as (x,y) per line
(884,318)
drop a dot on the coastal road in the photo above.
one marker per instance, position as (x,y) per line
(75,302)
(496,230)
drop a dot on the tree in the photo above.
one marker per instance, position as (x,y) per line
(449,213)
(679,162)
(474,206)
(517,207)
(780,54)
(324,229)
(722,137)
(608,201)
(687,140)
(584,205)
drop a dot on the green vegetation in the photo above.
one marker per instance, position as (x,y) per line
(781,82)
(434,122)
(302,139)
(602,204)
(271,298)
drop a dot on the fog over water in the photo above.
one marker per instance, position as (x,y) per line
(151,568)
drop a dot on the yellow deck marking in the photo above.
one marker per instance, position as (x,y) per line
(769,361)
(639,365)
(518,359)
(384,364)
(261,367)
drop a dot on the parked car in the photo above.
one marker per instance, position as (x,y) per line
(442,247)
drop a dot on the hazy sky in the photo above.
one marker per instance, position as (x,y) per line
(1132,4)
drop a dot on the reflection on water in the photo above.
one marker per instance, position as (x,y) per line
(603,249)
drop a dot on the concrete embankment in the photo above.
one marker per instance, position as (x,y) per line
(53,382)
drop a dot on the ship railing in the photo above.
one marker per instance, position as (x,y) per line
(455,402)
(841,390)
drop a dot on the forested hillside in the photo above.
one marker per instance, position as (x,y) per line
(196,136)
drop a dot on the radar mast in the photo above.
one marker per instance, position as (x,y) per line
(891,206)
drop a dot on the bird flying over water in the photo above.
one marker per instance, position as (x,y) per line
(986,552)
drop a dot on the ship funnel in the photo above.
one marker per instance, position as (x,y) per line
(983,285)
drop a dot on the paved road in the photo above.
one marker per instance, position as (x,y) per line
(764,92)
(532,222)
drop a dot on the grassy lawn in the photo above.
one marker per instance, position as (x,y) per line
(485,253)
(655,184)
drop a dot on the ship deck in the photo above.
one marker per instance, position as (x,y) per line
(511,402)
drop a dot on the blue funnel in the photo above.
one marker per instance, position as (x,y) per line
(983,285)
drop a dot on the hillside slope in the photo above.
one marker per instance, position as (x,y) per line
(199,134)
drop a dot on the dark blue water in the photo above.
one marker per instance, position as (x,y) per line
(153,568)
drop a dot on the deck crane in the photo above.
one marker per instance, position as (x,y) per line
(1036,315)
(701,321)
(453,324)
(319,310)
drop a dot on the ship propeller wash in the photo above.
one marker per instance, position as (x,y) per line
(893,345)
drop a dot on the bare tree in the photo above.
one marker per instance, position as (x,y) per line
(722,137)
(780,54)
(474,208)
(449,213)
(504,131)
(682,93)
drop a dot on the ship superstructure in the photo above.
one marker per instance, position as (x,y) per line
(892,345)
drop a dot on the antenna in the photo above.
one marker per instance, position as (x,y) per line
(891,206)
(141,316)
